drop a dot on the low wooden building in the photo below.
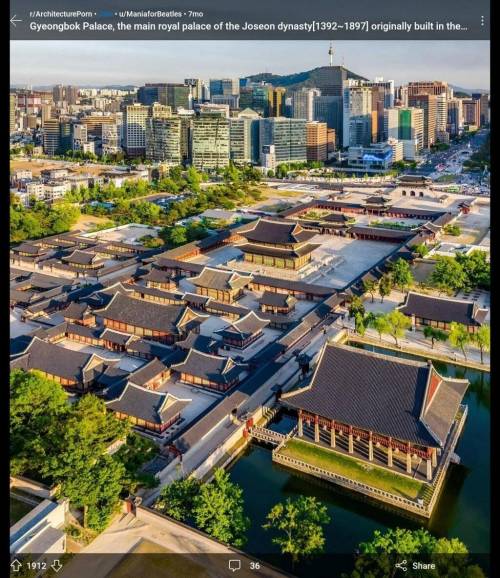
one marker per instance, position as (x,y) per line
(278,303)
(441,312)
(395,412)
(210,371)
(151,375)
(75,370)
(243,332)
(277,244)
(149,410)
(224,286)
(164,323)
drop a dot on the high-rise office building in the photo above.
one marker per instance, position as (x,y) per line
(358,108)
(386,88)
(317,141)
(198,89)
(186,117)
(455,122)
(330,80)
(12,112)
(163,139)
(288,135)
(303,103)
(79,137)
(58,93)
(276,102)
(244,137)
(428,103)
(391,123)
(210,140)
(51,136)
(433,87)
(484,105)
(71,94)
(232,100)
(111,139)
(441,113)
(224,86)
(411,131)
(171,94)
(471,113)
(260,98)
(329,109)
(134,129)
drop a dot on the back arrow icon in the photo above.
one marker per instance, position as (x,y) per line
(13,20)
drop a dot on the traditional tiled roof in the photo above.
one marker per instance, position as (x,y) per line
(276,232)
(56,360)
(375,392)
(380,232)
(278,252)
(210,367)
(151,406)
(443,309)
(158,276)
(377,200)
(245,327)
(143,313)
(219,279)
(75,310)
(201,343)
(116,337)
(148,347)
(30,248)
(80,257)
(147,372)
(275,299)
(335,218)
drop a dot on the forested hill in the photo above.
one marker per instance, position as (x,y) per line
(297,80)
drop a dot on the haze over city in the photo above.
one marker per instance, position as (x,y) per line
(465,64)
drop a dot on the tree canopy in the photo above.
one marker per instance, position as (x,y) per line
(297,525)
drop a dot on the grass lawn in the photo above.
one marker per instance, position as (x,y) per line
(18,509)
(353,469)
(132,566)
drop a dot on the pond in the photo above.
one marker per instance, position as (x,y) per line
(463,510)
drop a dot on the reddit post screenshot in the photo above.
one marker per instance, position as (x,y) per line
(249,289)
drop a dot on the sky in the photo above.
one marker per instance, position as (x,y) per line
(461,63)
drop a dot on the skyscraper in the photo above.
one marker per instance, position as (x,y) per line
(391,123)
(471,113)
(288,135)
(244,137)
(51,136)
(428,103)
(317,141)
(329,109)
(330,80)
(386,87)
(303,103)
(276,101)
(224,86)
(210,141)
(455,122)
(163,139)
(134,129)
(484,103)
(411,131)
(434,87)
(358,107)
(12,112)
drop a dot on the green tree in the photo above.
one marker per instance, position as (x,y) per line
(459,336)
(434,334)
(177,499)
(448,275)
(378,555)
(397,324)
(402,276)
(380,324)
(384,286)
(370,286)
(476,268)
(218,509)
(36,406)
(359,324)
(421,249)
(298,526)
(356,306)
(482,339)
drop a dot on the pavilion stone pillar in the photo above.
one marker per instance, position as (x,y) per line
(351,441)
(429,469)
(370,448)
(408,459)
(333,441)
(300,425)
(316,428)
(389,453)
(434,457)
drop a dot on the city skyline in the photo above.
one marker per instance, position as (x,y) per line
(464,64)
